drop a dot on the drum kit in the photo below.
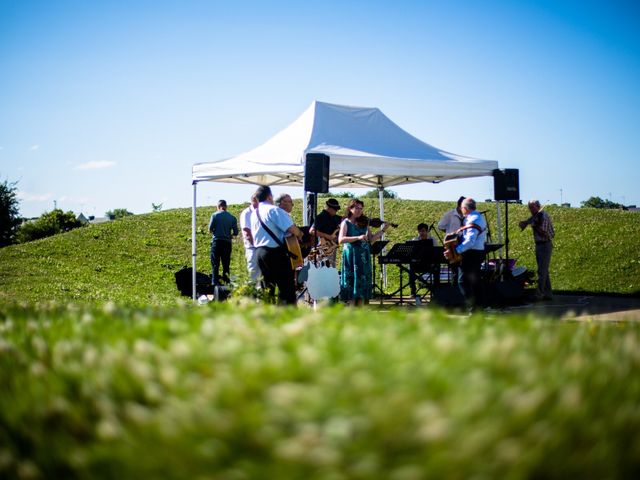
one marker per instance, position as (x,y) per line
(322,278)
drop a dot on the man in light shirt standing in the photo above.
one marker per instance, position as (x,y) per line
(249,248)
(269,224)
(474,235)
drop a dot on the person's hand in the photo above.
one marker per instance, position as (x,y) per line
(447,254)
(363,237)
(522,224)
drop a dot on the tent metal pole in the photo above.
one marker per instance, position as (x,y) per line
(381,203)
(305,216)
(499,221)
(193,243)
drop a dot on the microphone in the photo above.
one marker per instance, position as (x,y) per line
(431,226)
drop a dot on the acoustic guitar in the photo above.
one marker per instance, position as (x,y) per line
(295,253)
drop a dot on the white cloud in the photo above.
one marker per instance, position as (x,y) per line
(34,147)
(95,165)
(33,197)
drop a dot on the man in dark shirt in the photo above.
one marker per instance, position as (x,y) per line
(326,225)
(223,226)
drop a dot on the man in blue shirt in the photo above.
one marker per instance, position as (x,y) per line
(223,226)
(269,225)
(474,235)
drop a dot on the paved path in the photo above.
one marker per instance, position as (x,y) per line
(583,307)
(572,307)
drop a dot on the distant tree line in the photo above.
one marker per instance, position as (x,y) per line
(369,194)
(16,229)
(597,202)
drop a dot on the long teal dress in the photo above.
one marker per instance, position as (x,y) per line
(355,276)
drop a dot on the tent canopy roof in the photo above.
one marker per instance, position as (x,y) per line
(365,147)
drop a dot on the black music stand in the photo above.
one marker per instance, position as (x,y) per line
(407,253)
(376,249)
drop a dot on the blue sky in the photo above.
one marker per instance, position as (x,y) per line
(107,105)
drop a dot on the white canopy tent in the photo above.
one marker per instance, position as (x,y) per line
(366,149)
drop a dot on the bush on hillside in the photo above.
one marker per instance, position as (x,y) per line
(120,213)
(337,195)
(597,202)
(50,223)
(9,214)
(385,194)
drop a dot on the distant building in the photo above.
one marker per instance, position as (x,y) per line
(82,219)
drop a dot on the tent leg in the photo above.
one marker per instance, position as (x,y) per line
(305,214)
(499,220)
(381,203)
(193,243)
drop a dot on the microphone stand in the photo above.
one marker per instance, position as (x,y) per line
(436,230)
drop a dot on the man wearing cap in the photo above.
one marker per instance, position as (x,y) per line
(474,234)
(543,234)
(223,226)
(327,224)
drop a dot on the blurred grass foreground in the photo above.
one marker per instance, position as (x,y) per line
(242,391)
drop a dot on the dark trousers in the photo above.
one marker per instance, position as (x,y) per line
(276,270)
(471,282)
(543,258)
(220,253)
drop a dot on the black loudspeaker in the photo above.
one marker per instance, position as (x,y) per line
(183,282)
(447,296)
(506,184)
(221,293)
(510,291)
(316,173)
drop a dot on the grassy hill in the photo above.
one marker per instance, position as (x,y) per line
(134,259)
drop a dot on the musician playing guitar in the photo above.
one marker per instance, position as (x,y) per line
(269,225)
(326,226)
(474,233)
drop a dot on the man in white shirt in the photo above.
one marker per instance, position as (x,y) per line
(249,248)
(474,235)
(269,224)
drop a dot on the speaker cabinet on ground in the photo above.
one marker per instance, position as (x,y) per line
(506,184)
(316,173)
(447,296)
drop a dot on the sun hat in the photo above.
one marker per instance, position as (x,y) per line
(333,203)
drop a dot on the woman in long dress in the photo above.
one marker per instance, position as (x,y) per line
(355,277)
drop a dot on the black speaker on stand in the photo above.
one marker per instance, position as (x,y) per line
(316,173)
(506,187)
(506,184)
